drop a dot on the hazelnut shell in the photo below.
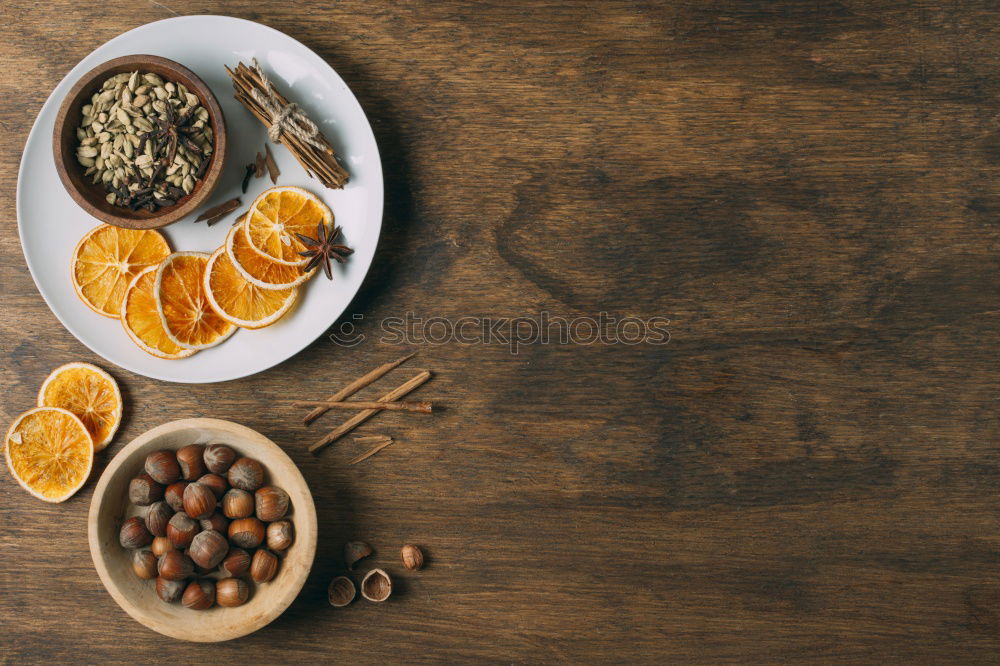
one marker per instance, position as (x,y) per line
(219,458)
(144,564)
(376,585)
(246,532)
(199,594)
(169,590)
(163,467)
(279,535)
(354,551)
(175,565)
(157,516)
(181,530)
(341,591)
(134,533)
(174,495)
(246,474)
(199,501)
(217,484)
(143,490)
(271,503)
(161,545)
(216,522)
(231,592)
(191,462)
(236,563)
(237,503)
(208,548)
(264,566)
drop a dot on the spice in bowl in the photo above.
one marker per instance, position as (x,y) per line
(147,140)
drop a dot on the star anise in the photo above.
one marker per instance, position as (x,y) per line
(324,249)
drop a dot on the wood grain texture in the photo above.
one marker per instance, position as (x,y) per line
(808,471)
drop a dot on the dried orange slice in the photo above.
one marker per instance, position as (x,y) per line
(277,215)
(106,260)
(239,302)
(257,269)
(49,452)
(185,313)
(88,392)
(142,321)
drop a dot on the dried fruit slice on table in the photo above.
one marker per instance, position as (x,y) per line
(108,258)
(277,215)
(257,269)
(90,393)
(49,452)
(142,321)
(240,302)
(185,312)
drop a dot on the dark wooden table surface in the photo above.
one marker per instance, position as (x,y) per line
(806,471)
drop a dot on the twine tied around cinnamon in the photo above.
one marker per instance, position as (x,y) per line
(288,118)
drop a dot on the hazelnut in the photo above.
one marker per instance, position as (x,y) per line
(216,522)
(143,490)
(134,533)
(219,458)
(199,595)
(175,565)
(174,495)
(169,590)
(199,501)
(246,474)
(144,564)
(271,503)
(208,548)
(237,563)
(376,585)
(412,558)
(354,551)
(341,591)
(264,566)
(237,504)
(246,532)
(157,516)
(181,530)
(161,545)
(163,467)
(216,484)
(231,592)
(279,535)
(191,462)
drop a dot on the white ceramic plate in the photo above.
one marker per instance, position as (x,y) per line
(50,223)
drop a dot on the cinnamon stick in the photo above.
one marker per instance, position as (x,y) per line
(366,414)
(223,208)
(421,407)
(368,454)
(357,385)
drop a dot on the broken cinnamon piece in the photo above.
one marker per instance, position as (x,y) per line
(272,168)
(220,210)
(375,449)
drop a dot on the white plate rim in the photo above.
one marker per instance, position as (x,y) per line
(79,69)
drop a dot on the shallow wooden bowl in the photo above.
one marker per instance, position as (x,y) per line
(110,507)
(91,197)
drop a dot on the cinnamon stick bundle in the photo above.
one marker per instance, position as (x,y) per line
(319,163)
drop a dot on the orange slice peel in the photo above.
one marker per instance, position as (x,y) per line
(49,453)
(90,394)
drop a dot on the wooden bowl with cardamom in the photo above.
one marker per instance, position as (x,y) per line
(92,197)
(110,507)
